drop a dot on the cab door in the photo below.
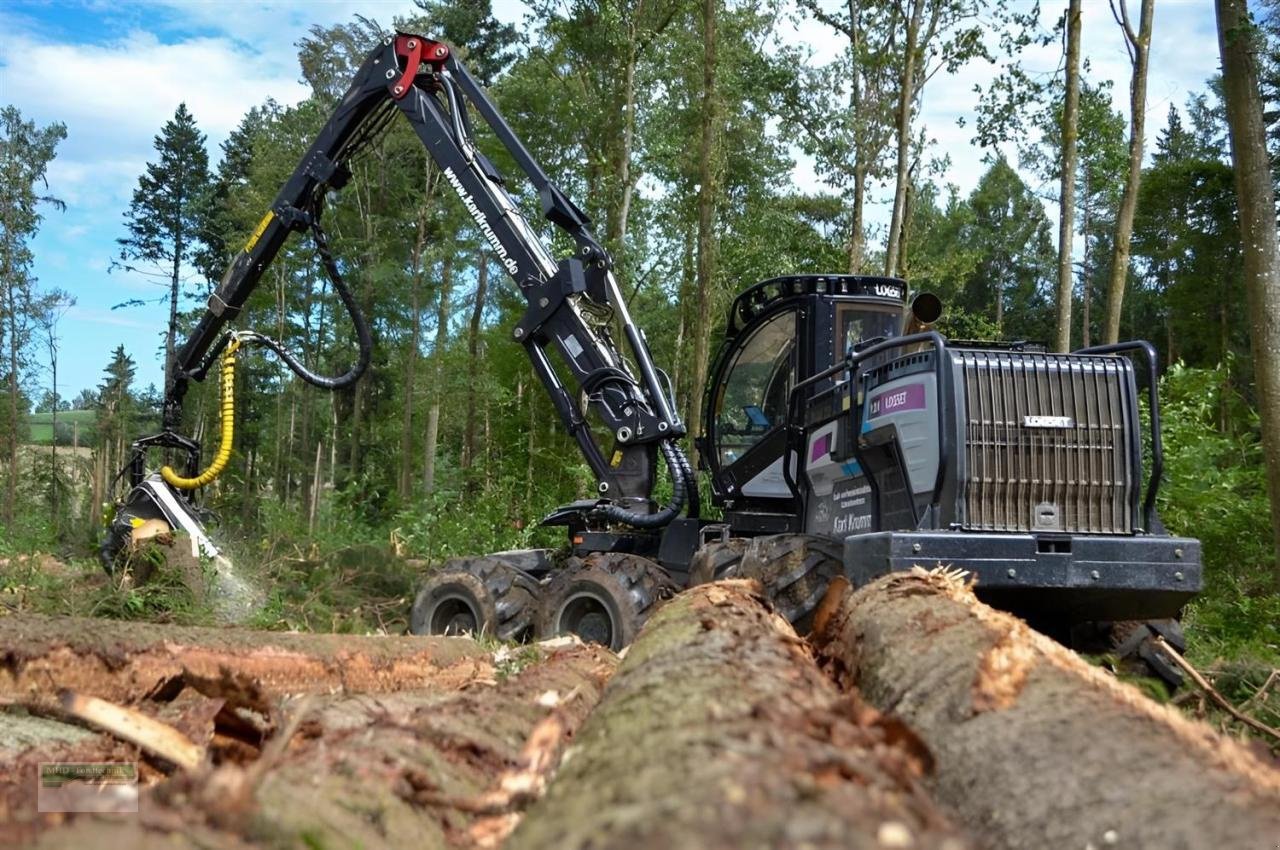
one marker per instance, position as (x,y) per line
(746,435)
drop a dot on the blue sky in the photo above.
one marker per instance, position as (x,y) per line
(114,72)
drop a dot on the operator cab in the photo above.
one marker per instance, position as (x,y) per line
(780,332)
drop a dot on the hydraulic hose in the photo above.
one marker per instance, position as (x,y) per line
(676,466)
(364,338)
(227,420)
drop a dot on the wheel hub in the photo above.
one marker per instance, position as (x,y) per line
(454,616)
(587,617)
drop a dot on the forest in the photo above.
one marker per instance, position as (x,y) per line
(674,125)
(763,692)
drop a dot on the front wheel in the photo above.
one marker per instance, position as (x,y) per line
(476,596)
(604,598)
(795,570)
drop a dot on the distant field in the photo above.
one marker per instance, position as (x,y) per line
(42,423)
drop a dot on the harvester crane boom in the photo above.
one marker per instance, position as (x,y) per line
(573,302)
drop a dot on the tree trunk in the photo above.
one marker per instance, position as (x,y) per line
(473,366)
(905,238)
(1141,45)
(405,487)
(1086,276)
(857,224)
(707,191)
(718,730)
(1238,42)
(133,660)
(55,485)
(617,221)
(171,335)
(437,389)
(906,98)
(1067,188)
(1033,746)
(315,489)
(11,487)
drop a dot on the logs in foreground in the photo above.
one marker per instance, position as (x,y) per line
(401,741)
(720,731)
(124,661)
(1033,746)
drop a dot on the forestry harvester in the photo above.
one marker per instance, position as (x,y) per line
(842,435)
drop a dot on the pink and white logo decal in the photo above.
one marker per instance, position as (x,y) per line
(897,400)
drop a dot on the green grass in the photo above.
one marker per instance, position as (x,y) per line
(41,424)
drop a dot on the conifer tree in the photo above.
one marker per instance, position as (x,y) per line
(164,217)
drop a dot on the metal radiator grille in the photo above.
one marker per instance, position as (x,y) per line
(1046,442)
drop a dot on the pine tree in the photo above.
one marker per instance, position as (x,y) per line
(164,217)
(220,232)
(117,408)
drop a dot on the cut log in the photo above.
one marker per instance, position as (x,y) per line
(720,731)
(1033,746)
(408,769)
(126,661)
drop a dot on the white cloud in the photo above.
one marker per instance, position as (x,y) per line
(107,317)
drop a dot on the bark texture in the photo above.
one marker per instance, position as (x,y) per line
(720,731)
(708,189)
(1033,746)
(125,661)
(421,768)
(1240,44)
(1067,188)
(1139,53)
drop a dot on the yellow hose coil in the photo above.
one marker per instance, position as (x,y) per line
(228,420)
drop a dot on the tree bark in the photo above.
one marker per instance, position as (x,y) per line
(405,487)
(133,660)
(1239,44)
(719,731)
(1140,43)
(1033,746)
(435,767)
(437,381)
(11,487)
(1086,276)
(473,365)
(906,99)
(708,153)
(1067,187)
(857,224)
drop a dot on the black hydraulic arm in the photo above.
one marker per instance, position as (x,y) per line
(573,302)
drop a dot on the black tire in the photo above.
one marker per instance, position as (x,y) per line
(795,570)
(478,596)
(604,598)
(716,560)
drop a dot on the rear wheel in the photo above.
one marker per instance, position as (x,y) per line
(604,598)
(716,560)
(477,596)
(795,570)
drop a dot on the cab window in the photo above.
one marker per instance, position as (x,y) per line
(757,387)
(859,322)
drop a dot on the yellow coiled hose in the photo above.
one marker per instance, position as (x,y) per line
(228,419)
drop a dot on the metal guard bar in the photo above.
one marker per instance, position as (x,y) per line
(1153,400)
